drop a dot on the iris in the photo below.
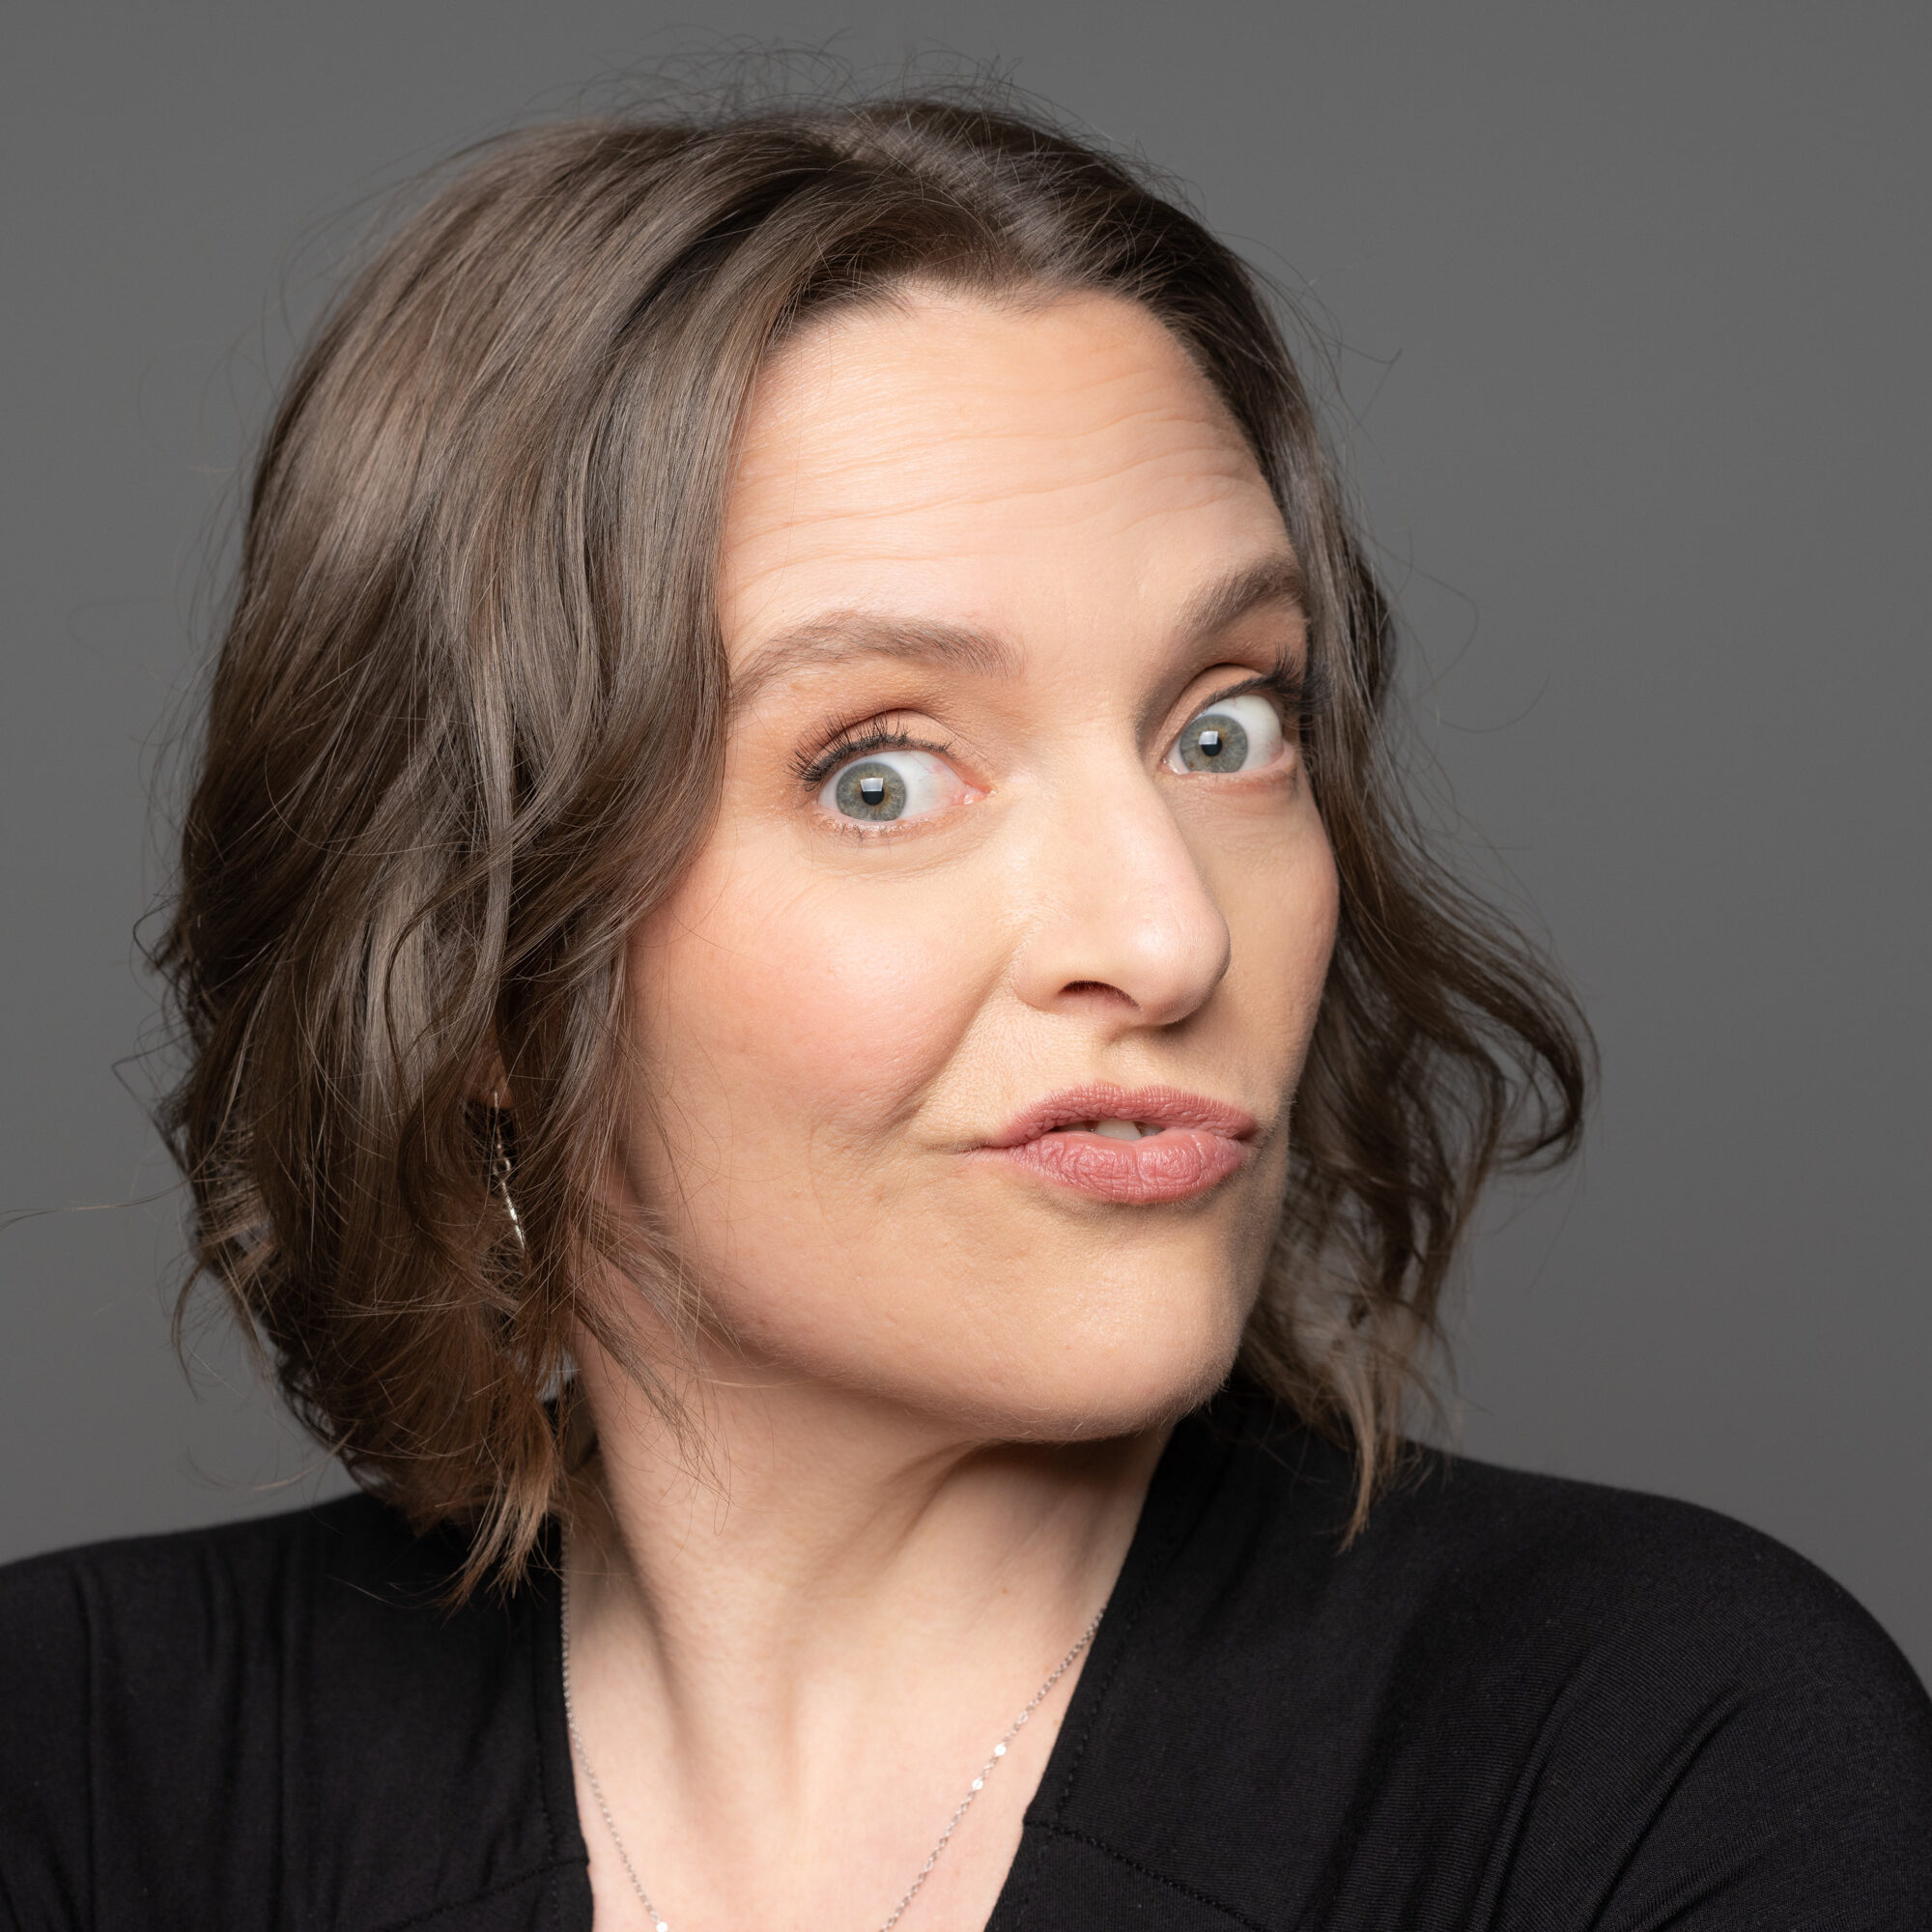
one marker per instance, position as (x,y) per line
(871,790)
(1214,742)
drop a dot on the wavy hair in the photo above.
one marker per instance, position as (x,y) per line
(465,728)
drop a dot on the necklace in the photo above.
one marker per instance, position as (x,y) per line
(911,1892)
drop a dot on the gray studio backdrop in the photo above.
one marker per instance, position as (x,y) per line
(1630,325)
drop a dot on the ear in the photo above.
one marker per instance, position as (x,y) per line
(488,1084)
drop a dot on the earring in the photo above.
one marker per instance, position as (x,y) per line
(500,1173)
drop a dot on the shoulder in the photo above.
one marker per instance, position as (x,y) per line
(1605,1700)
(202,1717)
(1526,1562)
(188,1576)
(121,1659)
(139,1679)
(1678,1692)
(156,1607)
(1469,1571)
(132,1628)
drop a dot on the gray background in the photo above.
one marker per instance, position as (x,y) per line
(1631,343)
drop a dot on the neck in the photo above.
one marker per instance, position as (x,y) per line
(830,1580)
(806,1521)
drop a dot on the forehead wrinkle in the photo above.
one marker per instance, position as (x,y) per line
(846,636)
(857,455)
(896,498)
(846,439)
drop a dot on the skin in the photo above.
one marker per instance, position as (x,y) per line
(933,1384)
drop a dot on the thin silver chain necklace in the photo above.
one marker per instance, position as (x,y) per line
(911,1893)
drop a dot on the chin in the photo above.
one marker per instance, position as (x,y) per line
(1090,1381)
(1023,1334)
(1142,1343)
(1125,1407)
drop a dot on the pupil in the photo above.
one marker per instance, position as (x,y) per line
(1216,743)
(871,790)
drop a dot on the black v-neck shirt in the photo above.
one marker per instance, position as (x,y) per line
(1510,1702)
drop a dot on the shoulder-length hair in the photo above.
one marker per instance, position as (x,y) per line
(464,730)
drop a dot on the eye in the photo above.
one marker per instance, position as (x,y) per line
(1235,735)
(887,785)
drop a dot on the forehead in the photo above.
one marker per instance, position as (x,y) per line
(995,463)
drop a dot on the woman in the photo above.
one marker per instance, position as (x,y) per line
(819,1049)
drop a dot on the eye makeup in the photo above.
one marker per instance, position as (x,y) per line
(876,734)
(1299,685)
(1296,685)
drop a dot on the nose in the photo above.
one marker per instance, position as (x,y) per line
(1125,927)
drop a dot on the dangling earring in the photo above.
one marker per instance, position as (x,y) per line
(500,1173)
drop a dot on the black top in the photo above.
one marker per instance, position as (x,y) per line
(1510,1702)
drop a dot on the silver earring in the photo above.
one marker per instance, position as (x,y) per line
(500,1173)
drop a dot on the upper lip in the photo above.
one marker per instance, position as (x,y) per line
(1155,1106)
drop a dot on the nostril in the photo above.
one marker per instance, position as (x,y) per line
(1096,988)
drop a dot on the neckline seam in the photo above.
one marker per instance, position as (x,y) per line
(1142,1869)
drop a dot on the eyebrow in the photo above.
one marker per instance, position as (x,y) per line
(841,635)
(1272,580)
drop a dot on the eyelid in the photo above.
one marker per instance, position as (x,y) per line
(1290,685)
(878,734)
(1264,681)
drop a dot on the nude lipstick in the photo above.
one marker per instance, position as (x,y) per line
(1137,1146)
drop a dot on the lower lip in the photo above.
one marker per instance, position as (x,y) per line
(1174,1164)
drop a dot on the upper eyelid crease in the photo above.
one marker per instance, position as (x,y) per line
(854,741)
(1294,682)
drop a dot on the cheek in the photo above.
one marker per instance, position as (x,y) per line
(1314,913)
(1282,904)
(788,1018)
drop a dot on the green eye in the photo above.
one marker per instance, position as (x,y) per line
(879,787)
(1214,742)
(869,789)
(1239,734)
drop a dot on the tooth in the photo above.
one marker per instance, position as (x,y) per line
(1118,1131)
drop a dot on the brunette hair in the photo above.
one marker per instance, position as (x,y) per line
(465,729)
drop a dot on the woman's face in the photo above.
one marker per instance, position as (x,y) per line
(973,1029)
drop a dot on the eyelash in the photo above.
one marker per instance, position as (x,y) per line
(855,742)
(1297,686)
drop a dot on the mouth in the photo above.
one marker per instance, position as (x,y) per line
(1137,1147)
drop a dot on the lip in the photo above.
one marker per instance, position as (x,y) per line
(1200,1145)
